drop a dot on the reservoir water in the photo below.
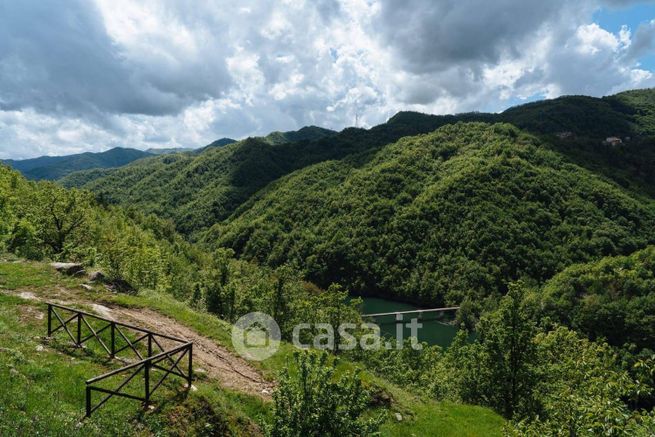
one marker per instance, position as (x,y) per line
(435,328)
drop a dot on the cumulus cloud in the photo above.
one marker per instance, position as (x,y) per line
(58,58)
(83,75)
(474,54)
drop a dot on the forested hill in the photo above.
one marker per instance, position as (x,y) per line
(305,133)
(197,191)
(55,167)
(440,217)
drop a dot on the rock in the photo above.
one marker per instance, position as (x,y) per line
(27,295)
(39,348)
(87,287)
(97,276)
(380,398)
(120,286)
(102,310)
(399,417)
(68,268)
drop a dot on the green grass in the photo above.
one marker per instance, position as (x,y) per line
(45,389)
(16,275)
(445,419)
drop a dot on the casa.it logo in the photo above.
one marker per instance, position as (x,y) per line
(256,336)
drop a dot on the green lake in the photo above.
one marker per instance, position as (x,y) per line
(435,329)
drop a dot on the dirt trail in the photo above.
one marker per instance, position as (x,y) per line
(220,364)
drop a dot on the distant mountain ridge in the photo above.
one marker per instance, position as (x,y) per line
(305,133)
(55,167)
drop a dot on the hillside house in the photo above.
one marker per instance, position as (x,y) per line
(612,141)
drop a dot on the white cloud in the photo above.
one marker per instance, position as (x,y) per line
(591,39)
(163,73)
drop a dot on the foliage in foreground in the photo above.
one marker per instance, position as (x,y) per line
(312,401)
(548,382)
(611,299)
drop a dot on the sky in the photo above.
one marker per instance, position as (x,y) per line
(84,75)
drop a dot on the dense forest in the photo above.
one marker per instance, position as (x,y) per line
(437,218)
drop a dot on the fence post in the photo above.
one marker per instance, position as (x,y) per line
(149,344)
(147,377)
(88,401)
(49,320)
(113,340)
(190,365)
(79,329)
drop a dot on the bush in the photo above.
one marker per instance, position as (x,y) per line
(309,401)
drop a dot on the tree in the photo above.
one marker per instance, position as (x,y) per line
(335,308)
(506,356)
(309,401)
(219,295)
(58,215)
(283,294)
(583,391)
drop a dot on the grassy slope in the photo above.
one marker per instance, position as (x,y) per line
(58,373)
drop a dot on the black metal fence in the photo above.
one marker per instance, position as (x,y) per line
(147,360)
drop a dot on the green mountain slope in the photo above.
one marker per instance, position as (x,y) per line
(305,133)
(639,108)
(581,115)
(612,298)
(196,191)
(55,167)
(577,126)
(199,191)
(436,218)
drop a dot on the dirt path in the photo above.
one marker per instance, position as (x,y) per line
(220,364)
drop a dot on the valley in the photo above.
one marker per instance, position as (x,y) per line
(543,240)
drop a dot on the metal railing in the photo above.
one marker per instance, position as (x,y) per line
(146,361)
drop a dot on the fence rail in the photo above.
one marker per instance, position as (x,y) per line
(144,364)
